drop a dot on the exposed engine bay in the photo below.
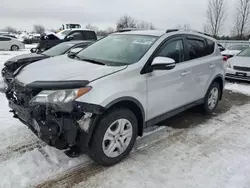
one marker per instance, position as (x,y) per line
(61,125)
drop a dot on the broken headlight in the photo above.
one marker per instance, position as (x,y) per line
(59,96)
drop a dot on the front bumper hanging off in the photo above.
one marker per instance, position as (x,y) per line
(61,126)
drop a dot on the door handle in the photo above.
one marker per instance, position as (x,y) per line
(185,73)
(212,65)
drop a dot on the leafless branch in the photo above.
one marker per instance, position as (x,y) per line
(216,14)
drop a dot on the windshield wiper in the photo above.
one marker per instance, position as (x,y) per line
(93,61)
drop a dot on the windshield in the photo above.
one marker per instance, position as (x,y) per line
(245,53)
(238,47)
(58,49)
(63,34)
(118,49)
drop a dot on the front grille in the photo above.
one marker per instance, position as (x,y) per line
(20,95)
(247,69)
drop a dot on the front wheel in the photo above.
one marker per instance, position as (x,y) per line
(114,137)
(212,98)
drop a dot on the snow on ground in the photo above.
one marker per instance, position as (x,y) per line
(212,154)
(239,88)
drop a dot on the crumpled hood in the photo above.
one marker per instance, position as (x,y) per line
(240,61)
(24,57)
(64,68)
(230,52)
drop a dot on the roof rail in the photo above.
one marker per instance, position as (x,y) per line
(175,30)
(172,30)
(128,29)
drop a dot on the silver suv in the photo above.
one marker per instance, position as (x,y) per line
(99,100)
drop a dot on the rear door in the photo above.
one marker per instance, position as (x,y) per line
(5,43)
(201,63)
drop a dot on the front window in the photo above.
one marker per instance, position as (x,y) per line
(245,53)
(238,47)
(58,49)
(118,49)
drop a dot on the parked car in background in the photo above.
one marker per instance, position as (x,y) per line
(238,67)
(51,39)
(31,40)
(9,43)
(66,47)
(99,100)
(234,50)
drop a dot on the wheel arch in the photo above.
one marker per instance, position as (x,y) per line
(135,106)
(220,79)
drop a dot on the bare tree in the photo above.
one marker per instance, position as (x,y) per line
(145,25)
(110,30)
(185,26)
(53,30)
(216,14)
(10,29)
(242,18)
(40,29)
(126,22)
(91,27)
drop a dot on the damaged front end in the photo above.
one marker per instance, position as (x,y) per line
(49,109)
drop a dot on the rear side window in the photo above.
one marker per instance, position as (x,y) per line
(90,35)
(4,39)
(196,48)
(210,46)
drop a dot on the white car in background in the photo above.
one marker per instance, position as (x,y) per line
(234,50)
(9,43)
(238,67)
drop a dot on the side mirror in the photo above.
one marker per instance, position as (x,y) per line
(68,38)
(33,50)
(74,50)
(162,63)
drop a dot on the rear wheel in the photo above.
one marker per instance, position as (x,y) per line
(212,98)
(114,137)
(14,48)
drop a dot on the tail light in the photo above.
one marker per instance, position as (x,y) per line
(225,58)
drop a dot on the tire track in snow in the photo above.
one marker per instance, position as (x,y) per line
(88,169)
(19,149)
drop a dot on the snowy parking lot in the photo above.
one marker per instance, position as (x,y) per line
(188,150)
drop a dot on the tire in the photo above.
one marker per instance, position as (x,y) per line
(101,143)
(207,108)
(14,48)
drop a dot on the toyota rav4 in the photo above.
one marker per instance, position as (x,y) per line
(99,100)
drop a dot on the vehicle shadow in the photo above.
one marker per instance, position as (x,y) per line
(194,116)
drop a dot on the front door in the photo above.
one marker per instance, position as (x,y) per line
(169,89)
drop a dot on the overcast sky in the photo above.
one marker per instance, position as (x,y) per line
(164,14)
